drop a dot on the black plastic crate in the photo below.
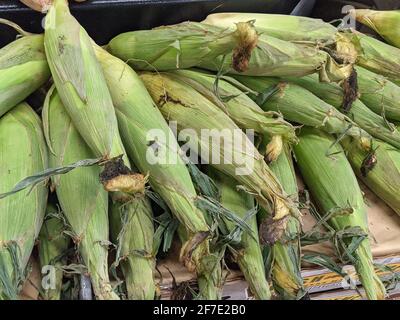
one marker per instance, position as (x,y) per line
(104,19)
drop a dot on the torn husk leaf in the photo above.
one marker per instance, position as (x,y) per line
(386,23)
(82,198)
(52,247)
(300,106)
(83,90)
(151,144)
(184,45)
(23,70)
(336,192)
(384,177)
(376,125)
(23,153)
(248,254)
(202,125)
(132,231)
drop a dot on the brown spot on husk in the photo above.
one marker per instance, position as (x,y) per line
(116,177)
(272,230)
(350,91)
(189,247)
(368,163)
(247,41)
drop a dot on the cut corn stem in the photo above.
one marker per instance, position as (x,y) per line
(335,190)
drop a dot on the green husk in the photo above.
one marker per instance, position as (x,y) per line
(384,178)
(132,228)
(82,198)
(386,23)
(23,153)
(198,120)
(183,45)
(368,120)
(286,262)
(378,93)
(83,90)
(248,252)
(240,108)
(336,192)
(53,244)
(138,117)
(301,106)
(23,70)
(285,27)
(369,53)
(278,58)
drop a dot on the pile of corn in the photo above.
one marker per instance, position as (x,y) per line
(322,104)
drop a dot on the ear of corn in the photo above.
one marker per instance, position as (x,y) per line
(204,126)
(83,90)
(286,262)
(53,244)
(240,108)
(132,229)
(380,94)
(23,153)
(384,177)
(83,200)
(248,255)
(183,46)
(386,23)
(168,175)
(300,106)
(285,27)
(368,120)
(23,69)
(336,192)
(369,53)
(278,58)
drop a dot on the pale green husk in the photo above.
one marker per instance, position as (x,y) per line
(366,119)
(52,247)
(248,255)
(82,198)
(335,190)
(23,153)
(23,70)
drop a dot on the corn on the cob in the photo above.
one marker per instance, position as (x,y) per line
(53,244)
(132,228)
(286,262)
(184,45)
(82,199)
(137,116)
(241,109)
(336,192)
(301,106)
(383,175)
(83,90)
(334,94)
(386,23)
(204,123)
(23,69)
(369,53)
(278,58)
(248,255)
(23,153)
(285,27)
(380,94)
